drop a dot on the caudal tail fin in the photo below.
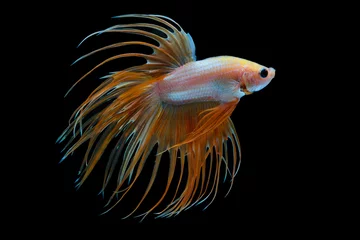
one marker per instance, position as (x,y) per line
(126,108)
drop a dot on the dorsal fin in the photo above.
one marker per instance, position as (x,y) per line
(177,49)
(181,43)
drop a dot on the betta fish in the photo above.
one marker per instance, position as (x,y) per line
(173,103)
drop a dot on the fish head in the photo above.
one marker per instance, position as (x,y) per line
(255,77)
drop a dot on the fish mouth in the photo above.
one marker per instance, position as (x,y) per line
(272,72)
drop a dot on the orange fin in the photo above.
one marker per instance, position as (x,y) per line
(126,108)
(210,120)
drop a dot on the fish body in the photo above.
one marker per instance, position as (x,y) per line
(174,103)
(212,79)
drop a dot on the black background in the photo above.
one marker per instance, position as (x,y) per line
(217,29)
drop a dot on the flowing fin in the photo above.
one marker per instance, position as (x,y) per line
(210,121)
(125,107)
(175,50)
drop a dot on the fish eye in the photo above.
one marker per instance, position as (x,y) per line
(263,73)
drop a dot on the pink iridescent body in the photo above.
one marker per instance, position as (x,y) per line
(220,79)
